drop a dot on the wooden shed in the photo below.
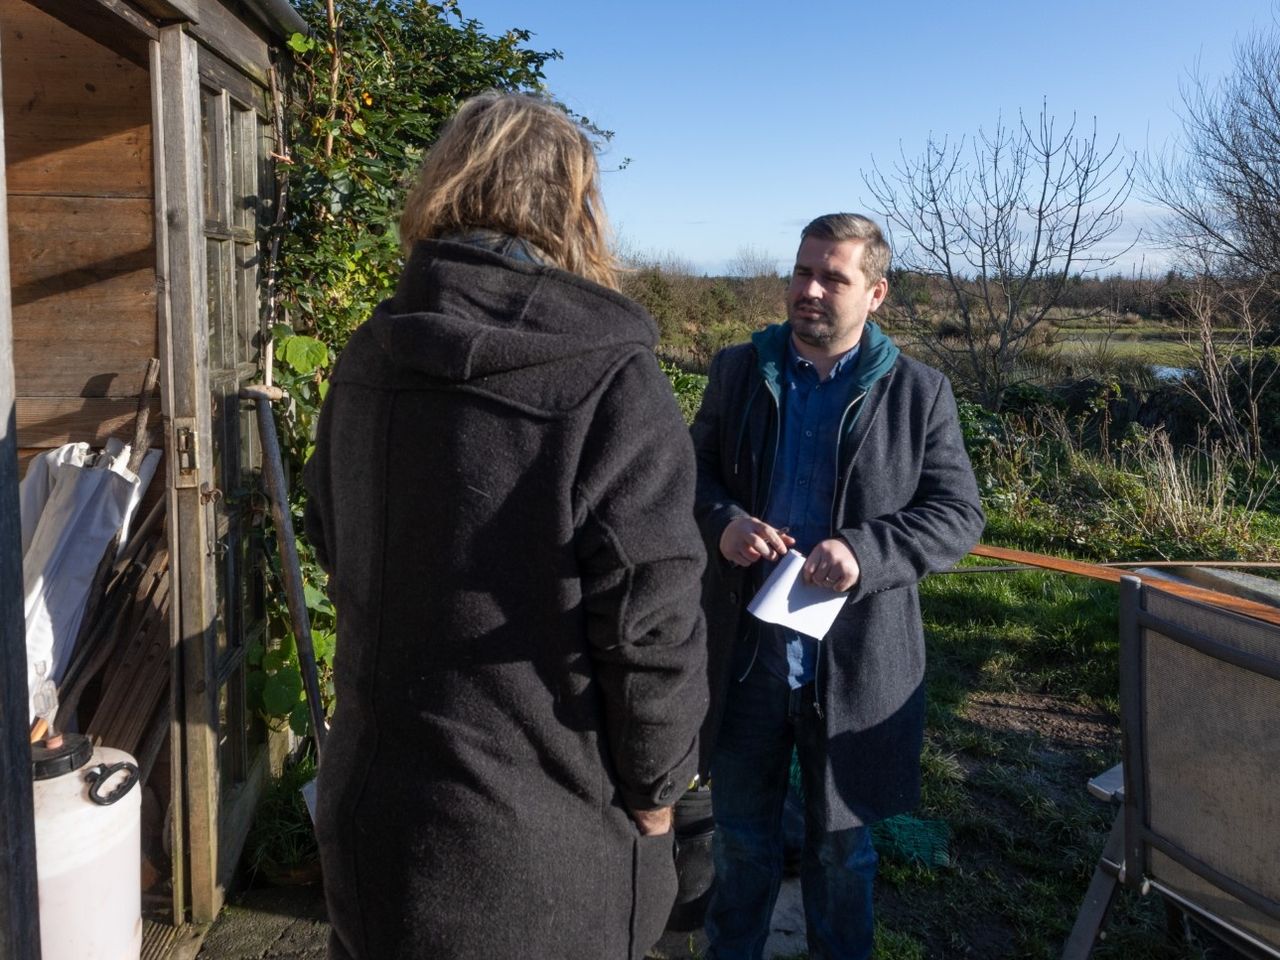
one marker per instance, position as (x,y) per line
(138,146)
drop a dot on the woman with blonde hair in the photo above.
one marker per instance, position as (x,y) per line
(502,493)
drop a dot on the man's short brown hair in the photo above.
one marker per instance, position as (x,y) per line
(838,227)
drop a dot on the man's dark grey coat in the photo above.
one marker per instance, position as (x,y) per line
(907,504)
(502,491)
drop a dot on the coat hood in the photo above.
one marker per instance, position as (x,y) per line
(524,332)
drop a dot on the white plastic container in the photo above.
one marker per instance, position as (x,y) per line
(88,852)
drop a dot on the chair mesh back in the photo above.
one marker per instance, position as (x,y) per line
(1211,735)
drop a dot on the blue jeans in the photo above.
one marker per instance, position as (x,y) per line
(764,718)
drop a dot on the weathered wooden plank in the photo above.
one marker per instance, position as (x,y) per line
(52,421)
(123,302)
(185,359)
(19,903)
(171,11)
(77,114)
(137,22)
(239,806)
(84,298)
(179,810)
(217,73)
(118,368)
(53,234)
(122,29)
(112,22)
(226,34)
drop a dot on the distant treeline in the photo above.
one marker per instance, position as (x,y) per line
(698,315)
(1148,298)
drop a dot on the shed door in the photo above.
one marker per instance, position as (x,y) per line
(235,149)
(214,179)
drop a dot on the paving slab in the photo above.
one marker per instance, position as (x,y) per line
(270,923)
(288,923)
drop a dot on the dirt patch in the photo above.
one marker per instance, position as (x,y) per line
(1054,718)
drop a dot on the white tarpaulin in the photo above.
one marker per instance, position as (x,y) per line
(73,503)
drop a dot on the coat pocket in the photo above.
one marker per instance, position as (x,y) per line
(653,890)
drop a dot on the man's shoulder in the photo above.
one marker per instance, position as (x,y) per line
(768,343)
(733,361)
(912,373)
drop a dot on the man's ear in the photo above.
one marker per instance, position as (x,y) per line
(878,293)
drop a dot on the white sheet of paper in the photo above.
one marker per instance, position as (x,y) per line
(785,599)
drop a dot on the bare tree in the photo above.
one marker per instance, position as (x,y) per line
(1221,181)
(1225,323)
(1004,225)
(759,286)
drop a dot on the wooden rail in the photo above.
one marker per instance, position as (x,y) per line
(1095,571)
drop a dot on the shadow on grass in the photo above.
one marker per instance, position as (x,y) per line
(1023,709)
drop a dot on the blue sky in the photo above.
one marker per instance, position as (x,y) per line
(742,121)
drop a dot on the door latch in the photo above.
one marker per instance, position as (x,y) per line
(185,452)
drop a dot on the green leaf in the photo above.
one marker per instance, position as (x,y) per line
(301,44)
(300,719)
(303,354)
(272,661)
(254,652)
(325,643)
(357,127)
(280,692)
(316,599)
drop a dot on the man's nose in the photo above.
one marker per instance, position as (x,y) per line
(811,289)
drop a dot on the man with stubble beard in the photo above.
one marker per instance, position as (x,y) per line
(820,436)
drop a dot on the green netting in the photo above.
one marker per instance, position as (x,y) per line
(903,837)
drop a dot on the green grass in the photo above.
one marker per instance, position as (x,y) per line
(1160,350)
(1025,833)
(1009,651)
(281,838)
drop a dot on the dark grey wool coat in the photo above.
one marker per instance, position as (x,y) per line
(907,504)
(502,492)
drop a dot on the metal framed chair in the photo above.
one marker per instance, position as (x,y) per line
(1199,818)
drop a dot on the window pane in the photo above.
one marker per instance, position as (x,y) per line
(214,146)
(221,354)
(224,410)
(244,163)
(208,109)
(220,619)
(266,175)
(250,452)
(247,306)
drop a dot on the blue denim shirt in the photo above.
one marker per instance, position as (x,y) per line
(804,487)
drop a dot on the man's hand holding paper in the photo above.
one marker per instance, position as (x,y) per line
(789,599)
(831,564)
